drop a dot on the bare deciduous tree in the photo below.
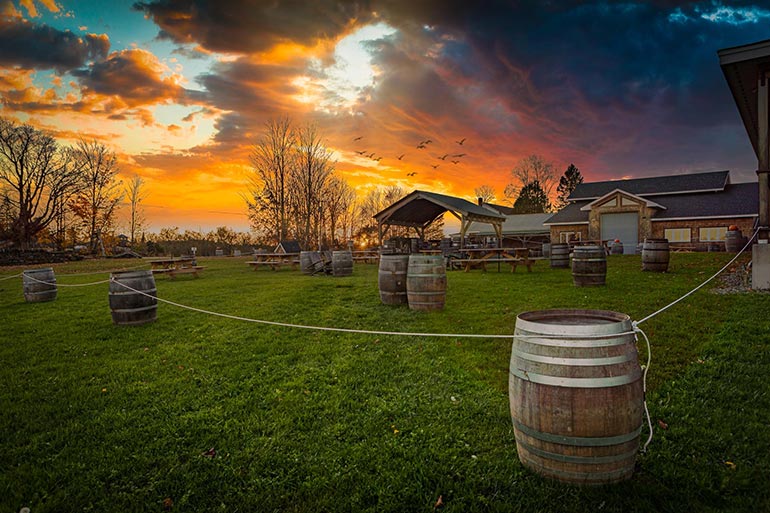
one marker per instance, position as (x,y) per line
(528,170)
(485,192)
(271,160)
(339,198)
(38,173)
(100,193)
(135,195)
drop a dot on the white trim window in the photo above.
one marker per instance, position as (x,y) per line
(566,237)
(678,234)
(712,234)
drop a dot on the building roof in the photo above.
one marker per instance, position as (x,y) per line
(696,182)
(288,246)
(740,66)
(521,224)
(421,207)
(736,200)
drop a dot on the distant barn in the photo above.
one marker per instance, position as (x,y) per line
(287,246)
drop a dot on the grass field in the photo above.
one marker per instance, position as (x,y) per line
(201,413)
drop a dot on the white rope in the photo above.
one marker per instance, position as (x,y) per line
(65,284)
(307,327)
(748,243)
(10,277)
(644,383)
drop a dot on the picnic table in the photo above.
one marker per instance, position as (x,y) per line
(368,256)
(274,260)
(483,256)
(175,266)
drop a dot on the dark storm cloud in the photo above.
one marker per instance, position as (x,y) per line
(134,75)
(247,26)
(34,46)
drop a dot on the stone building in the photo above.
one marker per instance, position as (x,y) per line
(692,211)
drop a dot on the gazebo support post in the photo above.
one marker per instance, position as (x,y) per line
(760,269)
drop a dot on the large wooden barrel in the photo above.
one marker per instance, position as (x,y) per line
(655,255)
(426,282)
(342,263)
(309,262)
(560,255)
(589,266)
(129,307)
(391,279)
(575,390)
(734,241)
(39,285)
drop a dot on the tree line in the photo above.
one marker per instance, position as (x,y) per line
(50,193)
(296,194)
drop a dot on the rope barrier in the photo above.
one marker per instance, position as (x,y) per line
(66,284)
(702,284)
(10,277)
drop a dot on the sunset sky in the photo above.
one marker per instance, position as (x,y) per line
(181,89)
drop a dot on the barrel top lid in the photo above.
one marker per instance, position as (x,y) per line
(574,317)
(41,270)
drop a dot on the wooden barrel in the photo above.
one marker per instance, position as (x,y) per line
(39,285)
(426,282)
(734,241)
(617,248)
(342,263)
(309,262)
(129,307)
(575,390)
(655,255)
(560,255)
(391,279)
(589,266)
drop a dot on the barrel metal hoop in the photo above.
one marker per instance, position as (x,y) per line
(612,381)
(584,460)
(578,441)
(583,477)
(133,310)
(577,341)
(127,292)
(578,362)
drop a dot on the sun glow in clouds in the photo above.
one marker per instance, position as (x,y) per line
(340,85)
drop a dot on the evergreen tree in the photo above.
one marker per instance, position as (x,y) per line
(532,200)
(567,183)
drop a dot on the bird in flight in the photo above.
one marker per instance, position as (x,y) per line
(434,167)
(377,159)
(361,152)
(460,155)
(444,156)
(358,138)
(421,146)
(426,141)
(401,156)
(461,141)
(371,155)
(412,173)
(455,162)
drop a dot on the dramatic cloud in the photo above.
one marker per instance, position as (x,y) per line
(34,46)
(244,26)
(135,76)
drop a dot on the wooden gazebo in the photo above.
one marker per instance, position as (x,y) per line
(420,208)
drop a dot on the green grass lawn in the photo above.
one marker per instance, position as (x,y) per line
(97,417)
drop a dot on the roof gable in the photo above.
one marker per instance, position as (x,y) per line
(600,201)
(421,207)
(674,184)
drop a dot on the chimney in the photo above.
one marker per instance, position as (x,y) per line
(481,201)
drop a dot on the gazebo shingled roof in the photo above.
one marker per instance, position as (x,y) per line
(420,208)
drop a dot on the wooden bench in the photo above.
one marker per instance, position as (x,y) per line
(194,270)
(469,262)
(161,271)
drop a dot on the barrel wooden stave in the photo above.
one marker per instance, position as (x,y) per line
(589,266)
(129,308)
(426,282)
(733,241)
(560,256)
(655,255)
(342,263)
(391,279)
(309,261)
(576,404)
(39,285)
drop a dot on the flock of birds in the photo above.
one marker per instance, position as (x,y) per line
(454,158)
